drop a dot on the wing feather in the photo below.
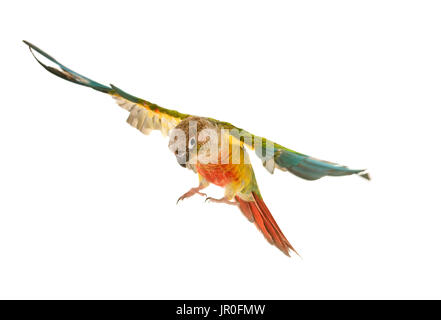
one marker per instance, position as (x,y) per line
(273,155)
(144,115)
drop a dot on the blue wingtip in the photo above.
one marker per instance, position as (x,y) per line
(312,169)
(66,73)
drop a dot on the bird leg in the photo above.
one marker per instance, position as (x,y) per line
(222,200)
(192,192)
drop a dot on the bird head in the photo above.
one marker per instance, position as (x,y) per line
(188,139)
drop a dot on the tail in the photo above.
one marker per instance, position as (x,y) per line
(256,211)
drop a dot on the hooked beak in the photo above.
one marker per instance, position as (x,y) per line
(182,159)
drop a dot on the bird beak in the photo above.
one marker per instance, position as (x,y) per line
(182,159)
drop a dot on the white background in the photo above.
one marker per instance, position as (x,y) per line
(87,203)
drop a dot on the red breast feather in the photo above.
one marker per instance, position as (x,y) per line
(218,174)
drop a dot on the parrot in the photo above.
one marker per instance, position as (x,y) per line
(214,150)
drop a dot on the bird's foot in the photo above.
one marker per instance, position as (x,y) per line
(222,200)
(191,193)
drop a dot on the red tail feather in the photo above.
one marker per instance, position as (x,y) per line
(256,211)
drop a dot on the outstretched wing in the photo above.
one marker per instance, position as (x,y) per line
(147,116)
(273,155)
(144,115)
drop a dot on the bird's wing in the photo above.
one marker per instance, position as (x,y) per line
(273,155)
(147,116)
(144,115)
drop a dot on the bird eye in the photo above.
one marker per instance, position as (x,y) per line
(191,142)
